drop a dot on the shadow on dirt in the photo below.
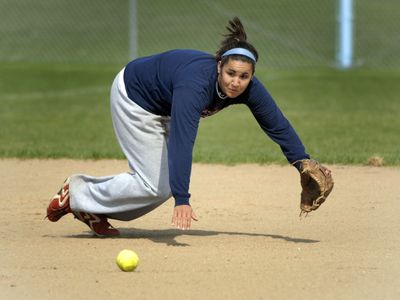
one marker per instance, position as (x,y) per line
(168,236)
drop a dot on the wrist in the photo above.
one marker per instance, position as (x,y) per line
(298,163)
(181,201)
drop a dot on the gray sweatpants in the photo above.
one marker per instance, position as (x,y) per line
(143,138)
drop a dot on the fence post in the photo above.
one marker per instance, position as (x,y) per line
(344,54)
(133,32)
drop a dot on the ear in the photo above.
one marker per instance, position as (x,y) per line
(219,67)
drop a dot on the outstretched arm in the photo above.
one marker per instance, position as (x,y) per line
(185,116)
(274,123)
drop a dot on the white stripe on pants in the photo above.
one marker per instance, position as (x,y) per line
(143,138)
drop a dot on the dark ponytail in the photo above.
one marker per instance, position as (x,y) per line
(235,38)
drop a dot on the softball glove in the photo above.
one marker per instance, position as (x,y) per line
(316,182)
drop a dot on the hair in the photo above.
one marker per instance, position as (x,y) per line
(235,38)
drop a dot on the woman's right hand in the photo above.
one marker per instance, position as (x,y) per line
(182,217)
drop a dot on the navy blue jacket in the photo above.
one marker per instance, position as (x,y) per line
(182,84)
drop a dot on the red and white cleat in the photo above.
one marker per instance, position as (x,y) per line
(97,223)
(59,204)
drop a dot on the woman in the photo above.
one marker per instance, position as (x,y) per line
(156,105)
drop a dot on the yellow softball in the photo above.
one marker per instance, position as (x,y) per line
(127,260)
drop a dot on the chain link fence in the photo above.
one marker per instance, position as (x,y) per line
(287,33)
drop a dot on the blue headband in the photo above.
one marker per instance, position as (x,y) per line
(240,51)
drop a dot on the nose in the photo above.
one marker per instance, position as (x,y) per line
(235,82)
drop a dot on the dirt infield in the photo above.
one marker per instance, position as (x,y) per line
(248,244)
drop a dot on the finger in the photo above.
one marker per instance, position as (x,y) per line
(194,217)
(189,218)
(177,219)
(180,221)
(176,223)
(188,221)
(184,221)
(326,171)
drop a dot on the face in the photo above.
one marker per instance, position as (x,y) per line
(234,77)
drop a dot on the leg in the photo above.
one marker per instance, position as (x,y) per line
(60,206)
(143,139)
(127,196)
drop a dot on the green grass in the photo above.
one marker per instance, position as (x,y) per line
(53,111)
(56,111)
(54,84)
(64,31)
(286,33)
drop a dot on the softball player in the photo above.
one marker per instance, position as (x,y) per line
(156,105)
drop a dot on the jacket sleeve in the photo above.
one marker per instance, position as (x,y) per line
(186,110)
